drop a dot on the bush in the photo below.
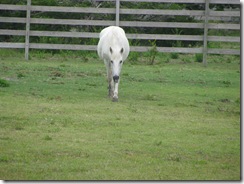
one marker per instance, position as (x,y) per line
(152,52)
(4,83)
(199,58)
(174,55)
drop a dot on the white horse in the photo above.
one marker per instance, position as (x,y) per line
(113,48)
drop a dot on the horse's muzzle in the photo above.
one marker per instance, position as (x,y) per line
(116,78)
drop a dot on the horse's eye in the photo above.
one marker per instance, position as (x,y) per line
(120,62)
(111,61)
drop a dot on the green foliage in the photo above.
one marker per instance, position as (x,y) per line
(4,158)
(47,138)
(174,55)
(134,57)
(198,58)
(4,83)
(11,53)
(152,52)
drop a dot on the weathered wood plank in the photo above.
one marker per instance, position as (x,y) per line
(27,33)
(12,20)
(167,49)
(224,26)
(225,13)
(162,12)
(205,36)
(64,34)
(62,46)
(165,1)
(72,9)
(165,37)
(12,32)
(218,18)
(117,12)
(224,38)
(224,1)
(224,51)
(12,45)
(12,7)
(184,1)
(183,37)
(161,24)
(72,22)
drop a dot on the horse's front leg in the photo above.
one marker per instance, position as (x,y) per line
(110,87)
(116,92)
(110,82)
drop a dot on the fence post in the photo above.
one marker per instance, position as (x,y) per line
(27,32)
(205,38)
(117,12)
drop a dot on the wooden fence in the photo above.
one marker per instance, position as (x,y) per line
(207,15)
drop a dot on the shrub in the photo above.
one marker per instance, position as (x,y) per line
(199,58)
(152,52)
(4,83)
(174,55)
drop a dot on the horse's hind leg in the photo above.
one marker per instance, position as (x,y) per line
(110,90)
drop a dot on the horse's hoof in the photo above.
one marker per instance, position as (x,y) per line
(115,99)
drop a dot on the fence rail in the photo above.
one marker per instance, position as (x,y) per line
(207,15)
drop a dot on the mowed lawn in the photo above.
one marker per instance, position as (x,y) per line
(173,121)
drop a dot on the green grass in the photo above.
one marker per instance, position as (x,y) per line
(174,120)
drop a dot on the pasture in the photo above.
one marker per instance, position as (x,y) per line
(175,120)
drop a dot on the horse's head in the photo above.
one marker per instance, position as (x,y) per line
(116,62)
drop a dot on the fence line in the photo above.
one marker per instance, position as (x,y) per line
(122,10)
(122,23)
(129,36)
(206,15)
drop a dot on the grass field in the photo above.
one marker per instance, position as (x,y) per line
(175,120)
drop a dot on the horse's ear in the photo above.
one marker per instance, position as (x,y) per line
(111,50)
(122,50)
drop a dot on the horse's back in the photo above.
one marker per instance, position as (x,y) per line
(112,30)
(112,36)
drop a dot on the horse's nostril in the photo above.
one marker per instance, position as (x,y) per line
(116,78)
